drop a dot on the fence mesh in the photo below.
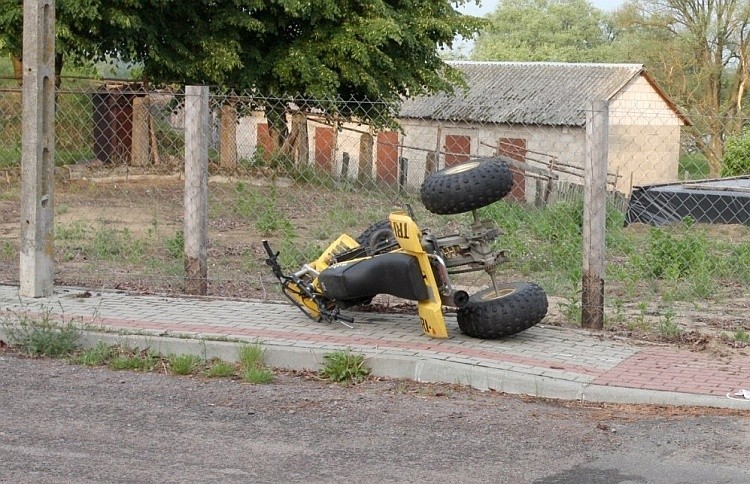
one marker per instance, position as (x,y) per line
(299,176)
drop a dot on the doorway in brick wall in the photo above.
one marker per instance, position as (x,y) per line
(515,149)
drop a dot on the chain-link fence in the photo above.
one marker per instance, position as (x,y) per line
(298,174)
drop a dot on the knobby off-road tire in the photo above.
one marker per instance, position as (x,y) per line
(465,187)
(519,306)
(376,235)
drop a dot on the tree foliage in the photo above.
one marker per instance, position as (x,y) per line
(737,155)
(354,49)
(699,52)
(545,30)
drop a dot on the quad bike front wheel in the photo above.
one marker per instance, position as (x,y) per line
(492,314)
(467,186)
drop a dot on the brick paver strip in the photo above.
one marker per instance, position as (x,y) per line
(563,354)
(679,371)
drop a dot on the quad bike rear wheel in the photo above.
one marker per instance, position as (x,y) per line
(376,236)
(513,308)
(466,187)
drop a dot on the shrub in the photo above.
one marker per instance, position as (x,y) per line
(737,155)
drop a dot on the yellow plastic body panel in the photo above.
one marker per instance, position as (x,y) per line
(409,238)
(343,243)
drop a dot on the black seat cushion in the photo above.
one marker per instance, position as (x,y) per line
(397,274)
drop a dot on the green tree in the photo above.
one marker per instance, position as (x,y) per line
(545,30)
(699,52)
(354,49)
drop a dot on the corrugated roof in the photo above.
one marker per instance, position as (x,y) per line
(525,92)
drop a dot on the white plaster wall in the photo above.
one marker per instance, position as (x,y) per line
(644,141)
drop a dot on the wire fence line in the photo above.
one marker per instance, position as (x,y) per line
(299,173)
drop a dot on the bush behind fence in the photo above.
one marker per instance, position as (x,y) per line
(300,176)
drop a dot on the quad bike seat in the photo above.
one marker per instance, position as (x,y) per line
(396,274)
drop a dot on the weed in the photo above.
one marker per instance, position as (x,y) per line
(176,245)
(251,362)
(672,256)
(99,355)
(219,369)
(742,336)
(75,231)
(110,244)
(667,327)
(618,315)
(640,323)
(344,367)
(571,306)
(134,359)
(257,375)
(184,364)
(293,256)
(250,355)
(41,335)
(7,251)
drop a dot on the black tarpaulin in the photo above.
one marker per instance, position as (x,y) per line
(716,201)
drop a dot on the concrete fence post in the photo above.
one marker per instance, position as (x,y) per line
(196,189)
(38,149)
(594,214)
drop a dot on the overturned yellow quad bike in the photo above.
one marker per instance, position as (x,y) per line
(396,257)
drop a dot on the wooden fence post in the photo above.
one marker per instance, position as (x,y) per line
(594,214)
(139,147)
(196,189)
(228,137)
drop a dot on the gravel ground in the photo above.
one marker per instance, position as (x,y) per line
(66,423)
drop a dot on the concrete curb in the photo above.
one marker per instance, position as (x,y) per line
(419,369)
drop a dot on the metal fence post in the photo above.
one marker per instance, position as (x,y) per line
(38,149)
(594,214)
(196,189)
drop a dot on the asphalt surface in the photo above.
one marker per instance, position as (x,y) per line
(61,422)
(544,361)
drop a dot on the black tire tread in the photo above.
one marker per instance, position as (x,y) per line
(365,238)
(497,318)
(449,191)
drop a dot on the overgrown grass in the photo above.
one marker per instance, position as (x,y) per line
(44,336)
(250,365)
(41,335)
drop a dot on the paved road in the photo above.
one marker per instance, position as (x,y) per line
(64,423)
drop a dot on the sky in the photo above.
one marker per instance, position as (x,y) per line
(489,5)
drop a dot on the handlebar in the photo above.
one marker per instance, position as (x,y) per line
(272,260)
